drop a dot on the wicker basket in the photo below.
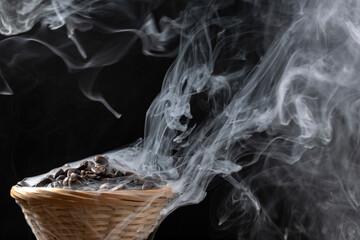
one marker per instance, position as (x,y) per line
(55,213)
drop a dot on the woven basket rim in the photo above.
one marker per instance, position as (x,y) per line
(78,197)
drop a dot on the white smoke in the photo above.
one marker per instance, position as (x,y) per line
(89,35)
(295,112)
(282,129)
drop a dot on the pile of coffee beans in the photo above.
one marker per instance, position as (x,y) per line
(97,175)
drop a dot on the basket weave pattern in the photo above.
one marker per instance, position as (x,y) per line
(55,213)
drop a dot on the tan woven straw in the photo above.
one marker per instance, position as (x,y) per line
(55,213)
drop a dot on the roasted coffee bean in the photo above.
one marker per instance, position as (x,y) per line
(98,177)
(43,182)
(60,178)
(65,182)
(55,184)
(69,171)
(132,185)
(22,183)
(99,169)
(138,181)
(104,186)
(83,165)
(156,180)
(90,165)
(147,178)
(155,177)
(59,172)
(128,173)
(74,182)
(90,175)
(101,160)
(119,187)
(50,176)
(119,173)
(110,175)
(148,185)
(74,176)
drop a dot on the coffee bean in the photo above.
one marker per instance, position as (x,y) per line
(66,181)
(155,177)
(101,160)
(132,185)
(69,171)
(128,173)
(50,176)
(59,172)
(43,182)
(83,165)
(148,185)
(90,165)
(119,173)
(74,176)
(22,183)
(138,181)
(119,187)
(60,178)
(99,169)
(90,175)
(98,177)
(74,182)
(104,186)
(110,175)
(55,184)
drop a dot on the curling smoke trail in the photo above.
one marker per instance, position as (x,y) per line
(89,35)
(284,130)
(296,113)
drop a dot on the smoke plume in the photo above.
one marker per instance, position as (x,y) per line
(265,94)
